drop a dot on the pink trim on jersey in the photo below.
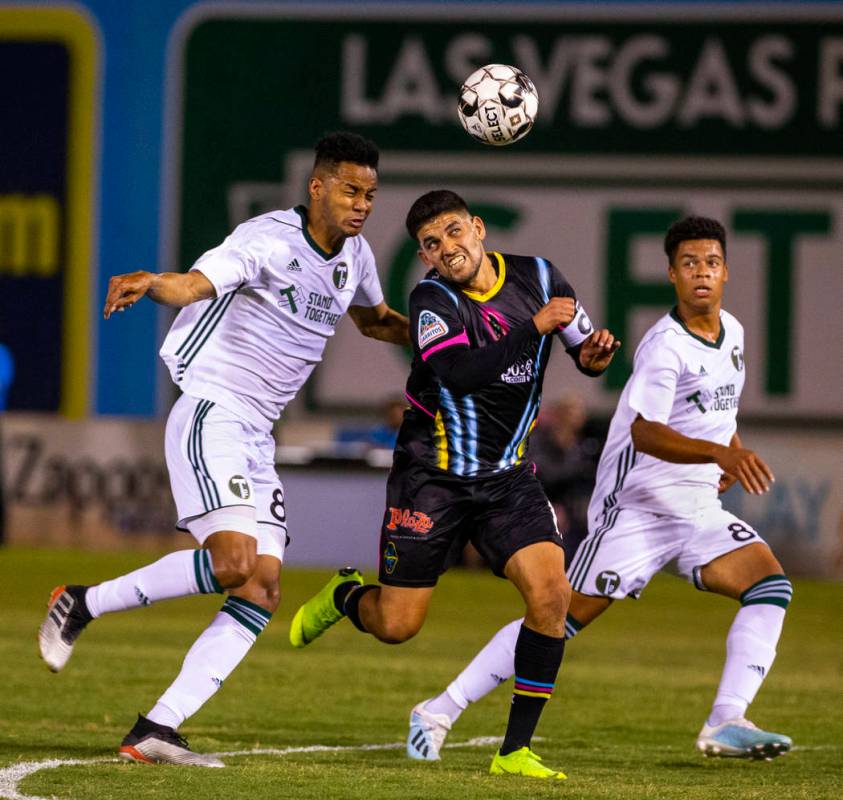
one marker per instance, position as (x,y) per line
(418,405)
(461,339)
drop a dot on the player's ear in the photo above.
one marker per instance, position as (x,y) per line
(671,272)
(479,226)
(424,258)
(315,187)
(725,272)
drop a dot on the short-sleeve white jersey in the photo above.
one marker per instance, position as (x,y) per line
(278,299)
(690,384)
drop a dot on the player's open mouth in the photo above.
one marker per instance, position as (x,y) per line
(456,262)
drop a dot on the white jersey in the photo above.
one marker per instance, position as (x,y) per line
(690,384)
(279,298)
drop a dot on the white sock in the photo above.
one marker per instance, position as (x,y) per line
(213,657)
(750,652)
(494,664)
(179,574)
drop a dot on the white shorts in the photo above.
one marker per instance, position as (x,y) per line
(218,460)
(625,547)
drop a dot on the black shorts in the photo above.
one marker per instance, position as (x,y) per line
(429,512)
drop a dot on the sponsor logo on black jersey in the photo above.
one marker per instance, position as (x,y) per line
(431,326)
(522,372)
(416,521)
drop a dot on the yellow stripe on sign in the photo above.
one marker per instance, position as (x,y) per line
(77,31)
(440,441)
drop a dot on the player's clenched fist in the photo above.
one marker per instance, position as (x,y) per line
(125,290)
(558,311)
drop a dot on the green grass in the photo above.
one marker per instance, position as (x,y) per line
(631,696)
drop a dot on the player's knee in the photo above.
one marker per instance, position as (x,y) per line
(398,630)
(549,602)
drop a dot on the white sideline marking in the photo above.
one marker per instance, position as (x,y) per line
(11,776)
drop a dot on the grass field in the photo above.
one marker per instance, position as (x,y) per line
(631,696)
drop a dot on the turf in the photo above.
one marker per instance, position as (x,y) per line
(632,694)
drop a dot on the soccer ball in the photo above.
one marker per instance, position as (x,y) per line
(498,104)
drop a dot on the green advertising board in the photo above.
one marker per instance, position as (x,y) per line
(643,117)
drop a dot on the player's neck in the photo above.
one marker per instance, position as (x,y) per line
(485,278)
(705,323)
(330,239)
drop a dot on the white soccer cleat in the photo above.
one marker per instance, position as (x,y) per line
(739,738)
(427,733)
(66,618)
(150,743)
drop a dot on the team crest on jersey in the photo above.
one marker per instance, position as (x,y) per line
(340,275)
(737,358)
(390,558)
(607,581)
(431,327)
(239,486)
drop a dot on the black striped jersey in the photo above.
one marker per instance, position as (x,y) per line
(690,384)
(485,431)
(279,297)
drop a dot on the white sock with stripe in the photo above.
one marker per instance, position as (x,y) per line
(751,647)
(213,657)
(493,665)
(178,574)
(488,669)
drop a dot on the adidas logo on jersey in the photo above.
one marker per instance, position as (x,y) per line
(293,266)
(757,668)
(702,370)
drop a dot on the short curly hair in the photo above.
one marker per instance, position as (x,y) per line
(693,228)
(334,148)
(431,205)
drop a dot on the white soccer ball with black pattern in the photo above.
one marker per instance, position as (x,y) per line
(498,104)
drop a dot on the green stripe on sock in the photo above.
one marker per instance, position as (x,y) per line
(240,618)
(248,605)
(197,568)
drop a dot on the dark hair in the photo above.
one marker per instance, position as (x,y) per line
(693,228)
(431,205)
(333,148)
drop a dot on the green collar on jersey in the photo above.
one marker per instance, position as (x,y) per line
(674,312)
(302,212)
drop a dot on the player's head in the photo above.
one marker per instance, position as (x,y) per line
(696,253)
(343,183)
(450,238)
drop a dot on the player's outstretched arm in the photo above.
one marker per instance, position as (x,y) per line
(663,442)
(381,322)
(177,289)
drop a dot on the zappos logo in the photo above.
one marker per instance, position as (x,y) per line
(737,358)
(390,558)
(240,486)
(607,581)
(340,275)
